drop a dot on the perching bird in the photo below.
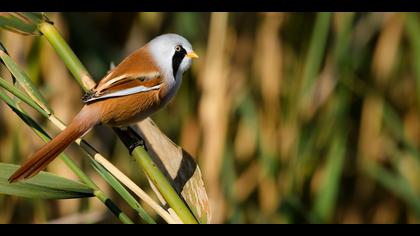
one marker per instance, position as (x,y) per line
(140,85)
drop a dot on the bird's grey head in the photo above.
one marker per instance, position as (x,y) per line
(172,53)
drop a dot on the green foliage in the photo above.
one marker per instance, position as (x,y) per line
(45,186)
(24,23)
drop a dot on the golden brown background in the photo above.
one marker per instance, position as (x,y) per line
(292,117)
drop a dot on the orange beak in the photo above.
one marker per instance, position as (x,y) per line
(192,54)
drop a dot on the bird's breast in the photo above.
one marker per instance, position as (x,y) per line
(123,111)
(169,90)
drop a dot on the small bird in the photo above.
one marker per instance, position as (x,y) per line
(141,84)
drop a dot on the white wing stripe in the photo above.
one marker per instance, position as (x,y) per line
(125,92)
(111,81)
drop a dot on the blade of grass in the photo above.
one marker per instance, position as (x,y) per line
(45,185)
(326,197)
(316,51)
(32,17)
(13,23)
(344,37)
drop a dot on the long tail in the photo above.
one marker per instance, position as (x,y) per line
(80,125)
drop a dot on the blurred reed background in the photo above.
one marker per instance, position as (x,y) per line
(292,117)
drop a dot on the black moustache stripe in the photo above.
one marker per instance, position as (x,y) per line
(177,59)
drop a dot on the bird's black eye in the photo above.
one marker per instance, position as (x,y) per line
(178,48)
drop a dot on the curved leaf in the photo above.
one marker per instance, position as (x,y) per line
(44,185)
(23,24)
